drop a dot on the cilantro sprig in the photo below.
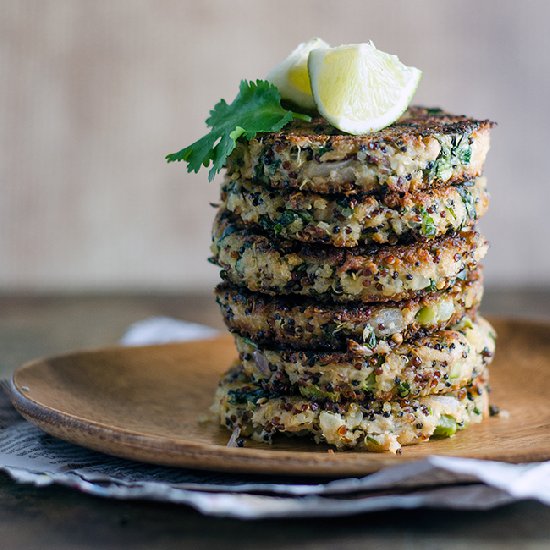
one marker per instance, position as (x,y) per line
(257,108)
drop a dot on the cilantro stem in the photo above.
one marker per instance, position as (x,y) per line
(300,116)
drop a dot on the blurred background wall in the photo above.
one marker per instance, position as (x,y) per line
(94,93)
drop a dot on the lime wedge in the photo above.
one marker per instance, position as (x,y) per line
(360,89)
(291,76)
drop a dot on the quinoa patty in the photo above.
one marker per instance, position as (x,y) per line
(349,220)
(375,426)
(424,148)
(436,364)
(368,274)
(302,323)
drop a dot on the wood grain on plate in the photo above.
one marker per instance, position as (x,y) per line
(146,404)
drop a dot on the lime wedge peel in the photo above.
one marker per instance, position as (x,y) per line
(291,76)
(360,89)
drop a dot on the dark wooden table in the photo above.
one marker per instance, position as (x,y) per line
(59,518)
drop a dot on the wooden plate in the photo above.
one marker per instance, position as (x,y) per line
(146,404)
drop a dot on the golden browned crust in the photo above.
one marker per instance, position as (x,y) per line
(371,425)
(350,220)
(428,365)
(367,273)
(297,322)
(417,121)
(425,148)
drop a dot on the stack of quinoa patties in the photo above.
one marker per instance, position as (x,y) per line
(352,281)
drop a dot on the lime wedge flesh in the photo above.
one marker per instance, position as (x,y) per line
(360,89)
(292,77)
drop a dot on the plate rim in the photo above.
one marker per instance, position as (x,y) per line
(184,453)
(226,459)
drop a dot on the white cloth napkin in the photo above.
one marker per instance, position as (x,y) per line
(162,330)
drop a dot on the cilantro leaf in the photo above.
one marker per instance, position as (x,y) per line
(428,227)
(257,108)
